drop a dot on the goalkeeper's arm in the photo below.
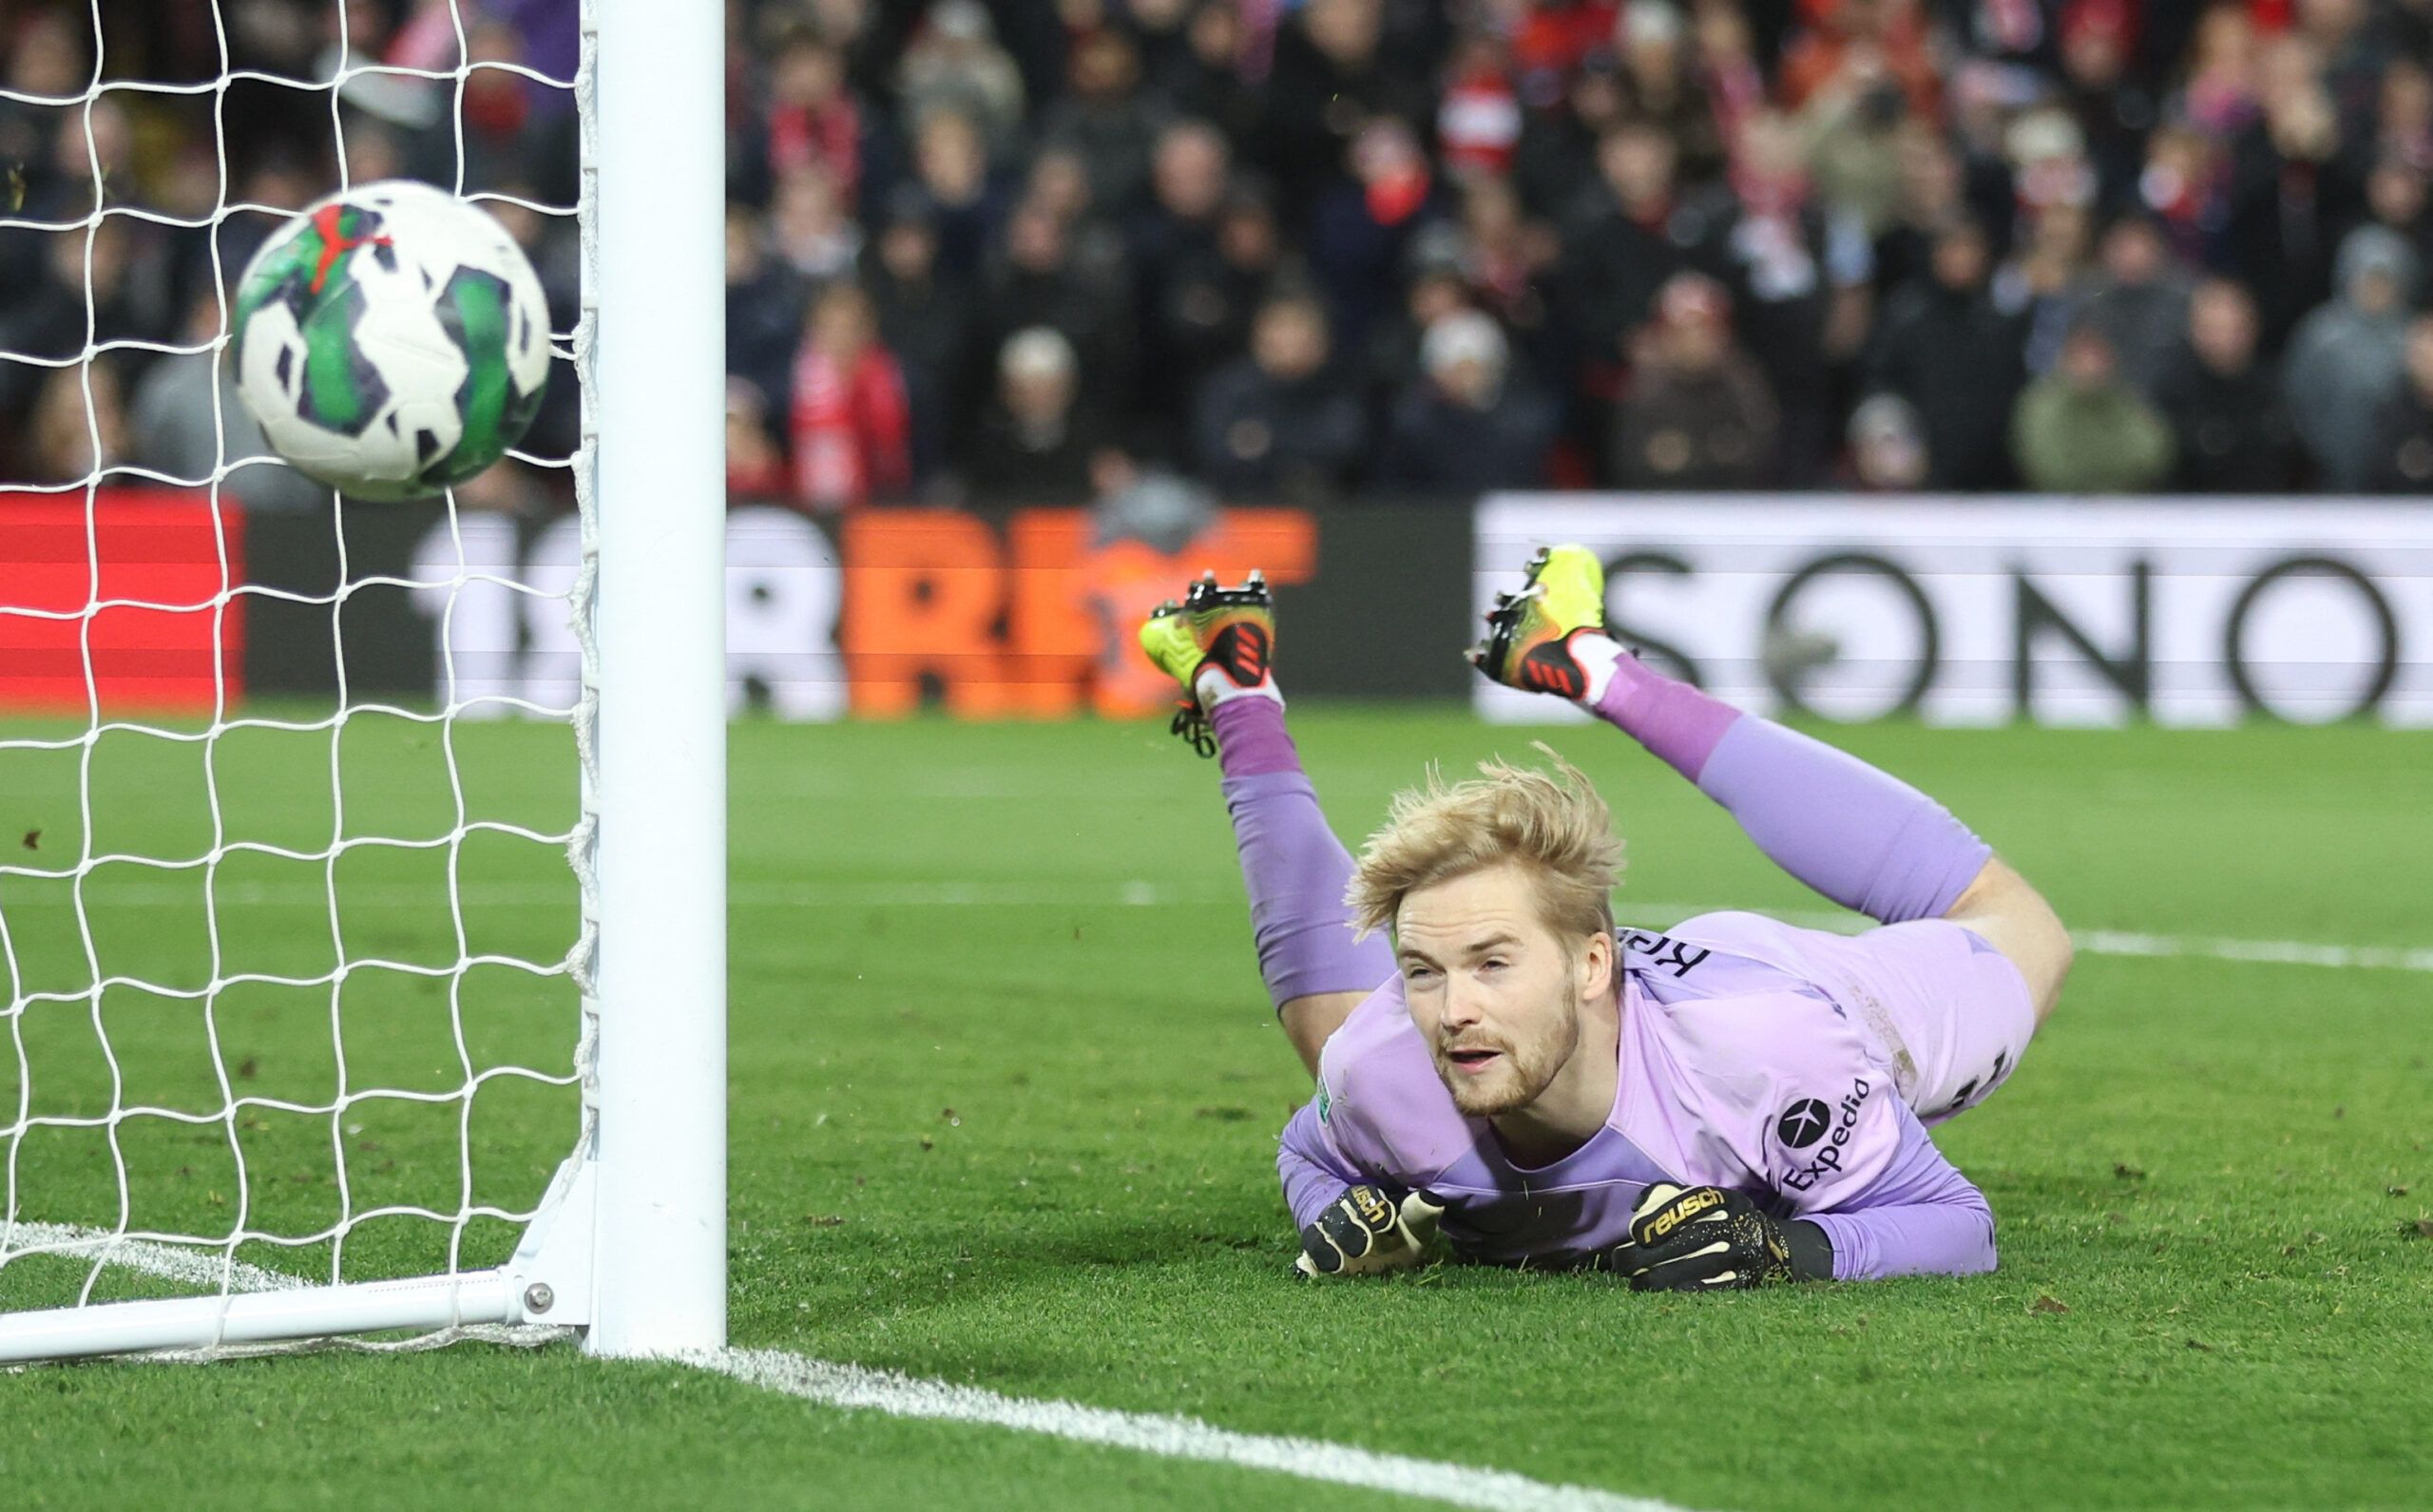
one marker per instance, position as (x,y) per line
(1351,1224)
(1914,1215)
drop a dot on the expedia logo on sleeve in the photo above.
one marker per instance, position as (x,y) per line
(1804,1123)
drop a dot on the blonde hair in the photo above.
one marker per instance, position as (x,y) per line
(1553,825)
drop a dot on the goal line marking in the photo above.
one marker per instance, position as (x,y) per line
(1174,1438)
(855,1387)
(1137,893)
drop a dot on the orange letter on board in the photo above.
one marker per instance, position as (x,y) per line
(924,589)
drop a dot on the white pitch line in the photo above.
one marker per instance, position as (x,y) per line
(190,1266)
(857,1388)
(1174,1438)
(2275,952)
(1137,893)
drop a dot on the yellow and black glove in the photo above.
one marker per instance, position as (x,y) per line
(1705,1238)
(1364,1232)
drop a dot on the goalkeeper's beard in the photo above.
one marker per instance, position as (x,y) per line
(1524,1069)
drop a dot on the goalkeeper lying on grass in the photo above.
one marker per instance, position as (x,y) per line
(1732,1102)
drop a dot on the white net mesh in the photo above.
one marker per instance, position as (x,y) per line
(289,982)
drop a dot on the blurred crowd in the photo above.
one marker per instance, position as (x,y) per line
(1055,250)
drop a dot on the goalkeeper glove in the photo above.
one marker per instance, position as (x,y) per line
(1365,1232)
(1709,1239)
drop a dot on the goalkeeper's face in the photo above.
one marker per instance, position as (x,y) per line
(1500,997)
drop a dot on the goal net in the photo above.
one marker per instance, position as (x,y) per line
(344,1011)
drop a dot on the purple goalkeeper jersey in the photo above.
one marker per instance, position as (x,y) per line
(1743,1064)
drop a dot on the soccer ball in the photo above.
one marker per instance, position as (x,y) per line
(393,341)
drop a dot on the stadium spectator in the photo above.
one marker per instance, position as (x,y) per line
(1160,30)
(2047,154)
(190,424)
(812,227)
(1470,423)
(2224,407)
(1060,185)
(1628,237)
(924,319)
(1957,359)
(1190,175)
(1205,305)
(1888,446)
(1798,277)
(756,469)
(2082,429)
(2138,299)
(1931,198)
(852,424)
(2401,459)
(1331,76)
(1038,279)
(2345,359)
(2397,197)
(2045,281)
(1556,158)
(2403,123)
(1857,46)
(961,197)
(1108,119)
(1852,130)
(765,300)
(2291,188)
(1478,122)
(2110,104)
(1659,86)
(1035,444)
(2181,187)
(490,132)
(1210,84)
(76,431)
(814,119)
(2219,98)
(1362,230)
(1506,258)
(1279,424)
(48,59)
(954,67)
(1699,416)
(115,278)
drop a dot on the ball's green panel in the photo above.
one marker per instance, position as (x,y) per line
(341,390)
(474,309)
(280,277)
(310,274)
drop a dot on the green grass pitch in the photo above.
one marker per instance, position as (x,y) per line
(1004,1098)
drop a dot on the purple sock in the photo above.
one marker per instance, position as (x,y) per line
(1866,840)
(1251,738)
(1293,866)
(1673,719)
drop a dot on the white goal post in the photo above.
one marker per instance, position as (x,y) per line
(627,1245)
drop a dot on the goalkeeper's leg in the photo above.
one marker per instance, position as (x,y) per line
(1217,642)
(1860,836)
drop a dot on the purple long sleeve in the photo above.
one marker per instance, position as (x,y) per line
(1919,1218)
(1313,1171)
